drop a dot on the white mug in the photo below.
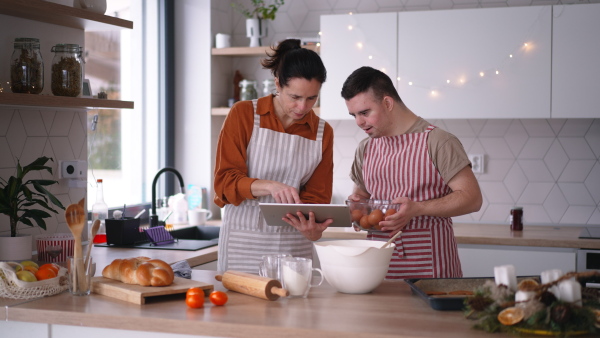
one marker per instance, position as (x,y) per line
(223,40)
(198,216)
(296,275)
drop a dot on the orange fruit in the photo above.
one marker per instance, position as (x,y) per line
(51,266)
(511,315)
(42,274)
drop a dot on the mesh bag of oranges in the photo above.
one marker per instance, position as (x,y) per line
(51,282)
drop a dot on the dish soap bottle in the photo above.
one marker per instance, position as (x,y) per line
(100,211)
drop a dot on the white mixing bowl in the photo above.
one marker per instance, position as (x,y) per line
(354,266)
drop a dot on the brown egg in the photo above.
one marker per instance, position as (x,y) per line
(364,222)
(390,212)
(375,217)
(356,215)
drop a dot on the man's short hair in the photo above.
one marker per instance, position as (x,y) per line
(365,78)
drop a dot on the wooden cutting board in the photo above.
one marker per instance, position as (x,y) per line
(138,294)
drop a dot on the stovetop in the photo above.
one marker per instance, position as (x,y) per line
(590,233)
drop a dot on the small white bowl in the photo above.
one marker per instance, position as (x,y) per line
(354,266)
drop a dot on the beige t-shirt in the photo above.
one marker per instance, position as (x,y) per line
(445,150)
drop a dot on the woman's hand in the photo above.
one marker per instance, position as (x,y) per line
(310,228)
(282,193)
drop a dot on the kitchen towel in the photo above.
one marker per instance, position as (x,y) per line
(182,269)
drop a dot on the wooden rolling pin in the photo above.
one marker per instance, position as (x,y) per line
(253,285)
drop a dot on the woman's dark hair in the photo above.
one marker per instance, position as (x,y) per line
(289,60)
(365,78)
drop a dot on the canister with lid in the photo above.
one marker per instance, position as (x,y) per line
(516,219)
(248,91)
(66,70)
(26,67)
(269,87)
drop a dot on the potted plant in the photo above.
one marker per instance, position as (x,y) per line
(18,199)
(254,25)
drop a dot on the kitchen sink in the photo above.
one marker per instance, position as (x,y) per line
(201,232)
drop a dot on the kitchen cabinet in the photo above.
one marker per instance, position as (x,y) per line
(480,260)
(348,43)
(575,70)
(447,62)
(52,23)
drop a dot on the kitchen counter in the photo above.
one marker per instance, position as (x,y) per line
(390,310)
(499,234)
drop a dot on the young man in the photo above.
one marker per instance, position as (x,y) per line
(411,162)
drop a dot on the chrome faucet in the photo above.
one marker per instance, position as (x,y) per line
(154,216)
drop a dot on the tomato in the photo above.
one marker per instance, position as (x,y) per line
(218,298)
(194,298)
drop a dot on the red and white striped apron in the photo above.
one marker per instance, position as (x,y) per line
(400,166)
(245,236)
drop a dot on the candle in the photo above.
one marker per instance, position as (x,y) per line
(550,276)
(505,274)
(570,291)
(521,297)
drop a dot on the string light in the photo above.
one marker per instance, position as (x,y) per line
(497,72)
(410,83)
(370,57)
(349,27)
(383,70)
(398,78)
(359,45)
(482,74)
(447,81)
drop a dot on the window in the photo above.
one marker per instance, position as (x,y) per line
(123,150)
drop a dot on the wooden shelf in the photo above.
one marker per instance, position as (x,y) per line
(250,51)
(223,111)
(41,101)
(48,12)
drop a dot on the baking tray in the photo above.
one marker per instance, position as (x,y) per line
(448,302)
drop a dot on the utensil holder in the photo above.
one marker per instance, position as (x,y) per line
(124,231)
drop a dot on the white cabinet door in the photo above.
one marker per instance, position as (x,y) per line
(575,55)
(349,42)
(480,260)
(447,62)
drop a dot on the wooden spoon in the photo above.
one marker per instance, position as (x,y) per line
(76,218)
(88,252)
(391,240)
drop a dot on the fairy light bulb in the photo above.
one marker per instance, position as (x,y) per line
(447,81)
(510,55)
(410,83)
(318,44)
(482,74)
(349,27)
(320,33)
(383,70)
(370,57)
(398,78)
(497,72)
(350,13)
(359,45)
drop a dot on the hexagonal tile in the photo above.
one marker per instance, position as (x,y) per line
(515,181)
(577,148)
(497,213)
(460,128)
(297,13)
(32,120)
(496,146)
(496,193)
(516,137)
(592,182)
(556,124)
(576,214)
(575,127)
(32,149)
(534,214)
(595,218)
(592,137)
(342,168)
(577,171)
(347,4)
(537,128)
(535,193)
(576,194)
(62,148)
(62,123)
(16,135)
(495,128)
(6,115)
(78,138)
(536,148)
(555,204)
(497,170)
(556,159)
(536,170)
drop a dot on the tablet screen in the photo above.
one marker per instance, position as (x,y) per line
(274,212)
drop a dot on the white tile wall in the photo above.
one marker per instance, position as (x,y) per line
(550,167)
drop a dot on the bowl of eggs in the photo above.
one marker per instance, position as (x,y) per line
(366,214)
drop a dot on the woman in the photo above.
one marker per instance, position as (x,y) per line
(274,150)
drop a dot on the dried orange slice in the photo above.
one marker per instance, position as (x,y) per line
(528,285)
(511,316)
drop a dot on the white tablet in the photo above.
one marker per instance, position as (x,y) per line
(274,212)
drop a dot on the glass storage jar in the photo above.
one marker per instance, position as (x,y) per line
(248,91)
(66,70)
(269,87)
(27,67)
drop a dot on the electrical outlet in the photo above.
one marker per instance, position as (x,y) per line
(477,163)
(72,169)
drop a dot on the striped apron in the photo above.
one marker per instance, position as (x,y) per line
(245,237)
(400,166)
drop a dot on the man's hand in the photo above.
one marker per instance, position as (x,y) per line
(310,228)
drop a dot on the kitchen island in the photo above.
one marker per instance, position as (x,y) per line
(389,311)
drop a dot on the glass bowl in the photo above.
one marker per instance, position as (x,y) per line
(366,214)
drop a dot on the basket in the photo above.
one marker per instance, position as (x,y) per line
(63,242)
(14,288)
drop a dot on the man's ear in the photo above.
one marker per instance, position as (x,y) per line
(388,102)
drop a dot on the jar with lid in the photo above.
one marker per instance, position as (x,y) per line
(248,91)
(66,70)
(516,219)
(269,87)
(27,67)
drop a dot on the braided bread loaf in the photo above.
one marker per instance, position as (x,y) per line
(140,270)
